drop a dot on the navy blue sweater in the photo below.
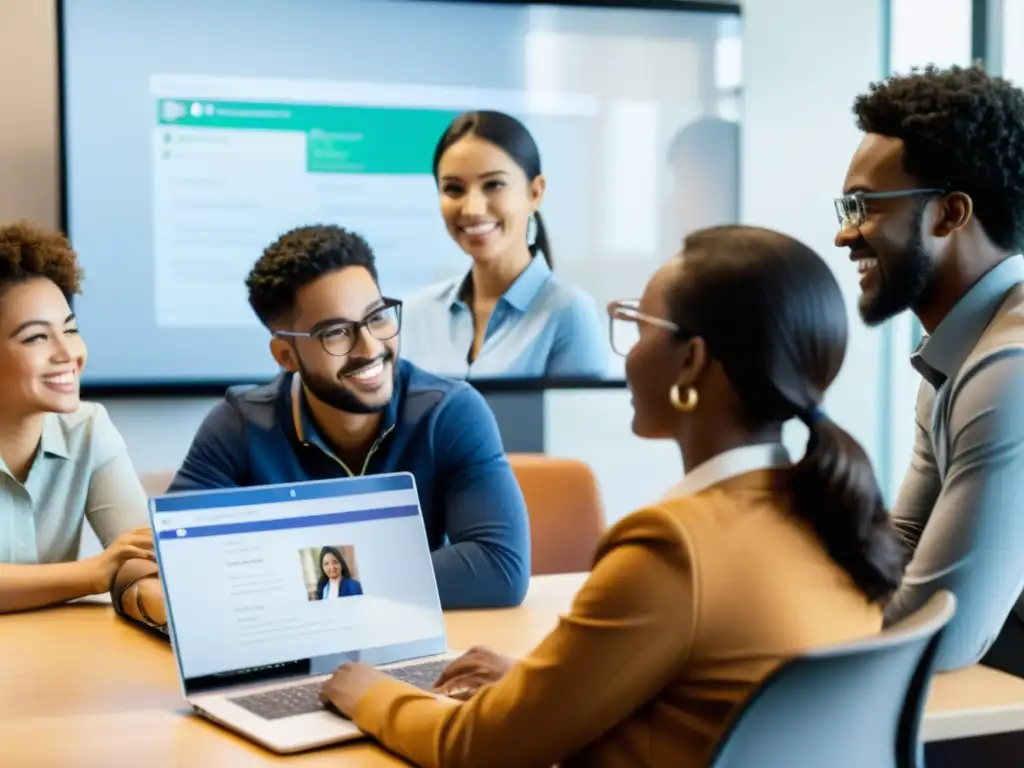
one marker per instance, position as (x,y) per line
(440,430)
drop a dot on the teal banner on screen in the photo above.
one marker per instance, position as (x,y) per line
(339,139)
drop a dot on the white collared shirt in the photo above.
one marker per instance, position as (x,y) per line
(738,461)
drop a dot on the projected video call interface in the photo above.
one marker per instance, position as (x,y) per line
(191,146)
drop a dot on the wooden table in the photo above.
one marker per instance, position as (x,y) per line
(78,687)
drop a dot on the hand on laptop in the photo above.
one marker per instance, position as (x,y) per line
(349,683)
(136,543)
(471,671)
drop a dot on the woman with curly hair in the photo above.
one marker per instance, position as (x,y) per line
(61,460)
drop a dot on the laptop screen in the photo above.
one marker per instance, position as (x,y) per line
(275,580)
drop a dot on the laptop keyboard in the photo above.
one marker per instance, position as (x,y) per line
(283,702)
(305,698)
(422,675)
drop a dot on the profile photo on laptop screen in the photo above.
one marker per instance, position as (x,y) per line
(330,572)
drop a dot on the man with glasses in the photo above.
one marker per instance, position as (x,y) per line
(933,216)
(345,404)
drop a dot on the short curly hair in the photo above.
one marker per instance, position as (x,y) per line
(28,251)
(962,129)
(298,258)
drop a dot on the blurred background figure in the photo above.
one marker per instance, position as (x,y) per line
(703,161)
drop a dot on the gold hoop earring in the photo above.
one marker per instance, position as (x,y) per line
(685,406)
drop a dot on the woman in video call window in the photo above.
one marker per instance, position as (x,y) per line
(335,577)
(510,315)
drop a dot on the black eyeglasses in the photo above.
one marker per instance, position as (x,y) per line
(338,337)
(624,325)
(852,211)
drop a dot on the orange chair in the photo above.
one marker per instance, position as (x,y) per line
(566,514)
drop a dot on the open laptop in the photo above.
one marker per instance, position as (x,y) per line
(253,636)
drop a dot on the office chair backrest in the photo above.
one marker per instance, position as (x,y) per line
(851,705)
(566,515)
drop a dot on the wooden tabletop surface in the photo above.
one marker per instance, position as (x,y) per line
(79,687)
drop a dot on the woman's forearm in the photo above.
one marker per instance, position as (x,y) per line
(137,582)
(23,587)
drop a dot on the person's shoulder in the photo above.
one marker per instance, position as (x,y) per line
(996,363)
(435,294)
(421,383)
(686,521)
(660,526)
(91,421)
(257,395)
(256,404)
(1003,335)
(570,308)
(987,395)
(1013,301)
(88,433)
(677,516)
(86,418)
(424,392)
(562,295)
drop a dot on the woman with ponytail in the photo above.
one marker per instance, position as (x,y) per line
(692,601)
(509,316)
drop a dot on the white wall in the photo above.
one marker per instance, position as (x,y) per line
(1012,64)
(918,37)
(28,122)
(804,61)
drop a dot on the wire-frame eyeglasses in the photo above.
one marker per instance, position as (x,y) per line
(624,321)
(852,209)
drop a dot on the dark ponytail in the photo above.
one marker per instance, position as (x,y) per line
(834,487)
(772,314)
(541,242)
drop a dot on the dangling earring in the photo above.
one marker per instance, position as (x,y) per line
(685,406)
(531,229)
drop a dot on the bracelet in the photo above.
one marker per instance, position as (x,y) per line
(141,608)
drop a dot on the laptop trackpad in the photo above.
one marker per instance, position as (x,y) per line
(290,733)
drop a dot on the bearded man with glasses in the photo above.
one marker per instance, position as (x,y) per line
(932,213)
(346,405)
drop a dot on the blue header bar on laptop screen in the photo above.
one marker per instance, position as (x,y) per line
(276,494)
(284,507)
(281,523)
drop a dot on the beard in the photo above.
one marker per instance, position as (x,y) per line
(903,281)
(333,393)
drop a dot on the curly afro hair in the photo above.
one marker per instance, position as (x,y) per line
(28,251)
(298,258)
(962,130)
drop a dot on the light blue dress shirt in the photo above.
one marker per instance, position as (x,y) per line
(961,507)
(541,327)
